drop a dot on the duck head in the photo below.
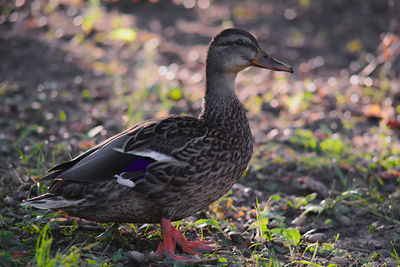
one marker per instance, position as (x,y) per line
(233,50)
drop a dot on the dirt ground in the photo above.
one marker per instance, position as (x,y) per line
(327,147)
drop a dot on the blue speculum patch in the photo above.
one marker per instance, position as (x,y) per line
(138,165)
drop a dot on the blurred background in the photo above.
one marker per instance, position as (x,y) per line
(74,72)
(133,60)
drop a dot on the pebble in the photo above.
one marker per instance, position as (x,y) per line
(153,256)
(392,264)
(338,260)
(136,256)
(390,188)
(299,221)
(26,187)
(22,195)
(345,220)
(379,244)
(9,201)
(317,237)
(236,237)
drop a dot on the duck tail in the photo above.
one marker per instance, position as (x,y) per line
(50,201)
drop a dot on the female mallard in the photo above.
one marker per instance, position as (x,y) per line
(169,168)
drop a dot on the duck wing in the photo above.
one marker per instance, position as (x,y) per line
(99,163)
(132,150)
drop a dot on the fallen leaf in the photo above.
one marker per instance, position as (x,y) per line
(346,166)
(392,123)
(86,144)
(239,214)
(373,111)
(18,254)
(390,174)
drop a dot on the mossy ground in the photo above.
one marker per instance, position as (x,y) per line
(323,185)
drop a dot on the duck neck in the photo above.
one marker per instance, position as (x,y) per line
(219,84)
(221,105)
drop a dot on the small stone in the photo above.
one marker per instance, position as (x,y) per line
(136,256)
(338,260)
(9,201)
(299,221)
(360,213)
(5,149)
(345,220)
(379,244)
(153,256)
(247,253)
(317,237)
(22,195)
(391,264)
(26,187)
(390,188)
(236,237)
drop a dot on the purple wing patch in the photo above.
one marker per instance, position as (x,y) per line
(138,165)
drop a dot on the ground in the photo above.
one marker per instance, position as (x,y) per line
(323,184)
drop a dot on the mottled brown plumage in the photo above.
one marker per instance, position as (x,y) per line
(172,167)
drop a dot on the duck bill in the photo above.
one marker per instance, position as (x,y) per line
(263,60)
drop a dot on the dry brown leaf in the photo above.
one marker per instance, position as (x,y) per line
(86,144)
(390,174)
(373,111)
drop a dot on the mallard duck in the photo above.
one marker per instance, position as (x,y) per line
(166,169)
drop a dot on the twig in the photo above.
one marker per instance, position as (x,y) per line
(16,216)
(17,174)
(91,227)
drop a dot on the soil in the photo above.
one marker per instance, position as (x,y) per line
(56,88)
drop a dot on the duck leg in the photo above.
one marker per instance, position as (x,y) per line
(172,237)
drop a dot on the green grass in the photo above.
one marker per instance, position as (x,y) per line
(306,176)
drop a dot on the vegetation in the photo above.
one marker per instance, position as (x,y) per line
(322,188)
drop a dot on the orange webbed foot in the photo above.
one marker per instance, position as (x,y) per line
(166,249)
